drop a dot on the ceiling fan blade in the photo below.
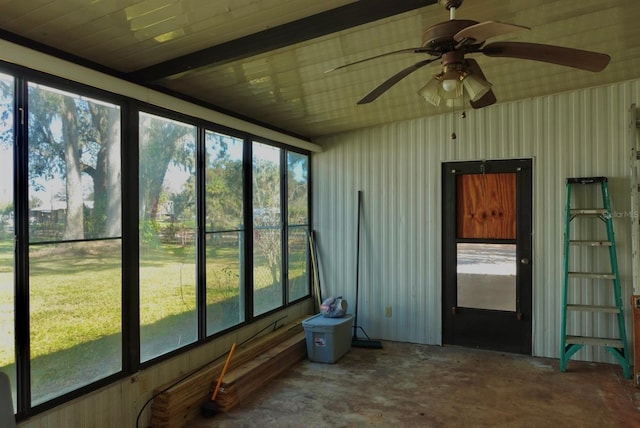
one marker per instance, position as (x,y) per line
(576,58)
(478,33)
(371,96)
(488,98)
(408,50)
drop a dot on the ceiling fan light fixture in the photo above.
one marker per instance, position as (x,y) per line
(431,91)
(451,80)
(450,84)
(454,102)
(475,86)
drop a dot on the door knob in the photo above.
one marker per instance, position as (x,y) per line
(524,260)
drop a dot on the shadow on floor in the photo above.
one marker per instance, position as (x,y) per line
(410,385)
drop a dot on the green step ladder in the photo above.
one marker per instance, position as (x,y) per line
(570,344)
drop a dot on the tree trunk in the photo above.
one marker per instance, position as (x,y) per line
(74,224)
(158,146)
(114,188)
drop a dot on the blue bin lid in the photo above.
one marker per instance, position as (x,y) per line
(320,320)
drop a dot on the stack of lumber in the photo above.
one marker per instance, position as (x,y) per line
(241,382)
(177,405)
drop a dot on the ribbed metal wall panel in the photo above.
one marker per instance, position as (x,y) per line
(398,169)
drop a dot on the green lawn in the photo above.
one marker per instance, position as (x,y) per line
(75,290)
(76,305)
(6,301)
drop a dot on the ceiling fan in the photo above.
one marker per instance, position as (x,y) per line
(450,41)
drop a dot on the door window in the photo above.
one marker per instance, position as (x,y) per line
(487,276)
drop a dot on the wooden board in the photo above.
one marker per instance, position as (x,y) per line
(486,206)
(243,381)
(180,403)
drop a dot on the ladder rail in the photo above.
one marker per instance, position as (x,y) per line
(564,354)
(613,258)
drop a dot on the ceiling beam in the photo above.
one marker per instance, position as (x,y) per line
(321,24)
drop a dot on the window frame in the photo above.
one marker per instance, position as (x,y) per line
(22,77)
(129,151)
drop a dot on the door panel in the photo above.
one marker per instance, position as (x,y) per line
(486,254)
(486,206)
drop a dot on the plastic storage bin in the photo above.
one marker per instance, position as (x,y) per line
(327,339)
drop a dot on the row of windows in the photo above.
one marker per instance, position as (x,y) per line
(217,221)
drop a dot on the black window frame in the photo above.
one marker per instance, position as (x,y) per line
(130,109)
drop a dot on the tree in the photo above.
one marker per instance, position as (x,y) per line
(6,150)
(297,189)
(6,112)
(70,136)
(74,221)
(106,174)
(164,143)
(223,186)
(267,217)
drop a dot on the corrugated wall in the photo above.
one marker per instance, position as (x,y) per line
(398,169)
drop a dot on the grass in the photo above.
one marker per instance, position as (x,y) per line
(69,285)
(6,301)
(76,298)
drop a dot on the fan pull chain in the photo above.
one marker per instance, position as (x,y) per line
(453,122)
(463,115)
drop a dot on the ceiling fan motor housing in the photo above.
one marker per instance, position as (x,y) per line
(453,60)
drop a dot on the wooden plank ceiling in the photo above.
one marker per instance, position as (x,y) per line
(265,60)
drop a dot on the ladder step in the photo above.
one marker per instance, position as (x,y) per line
(595,275)
(588,211)
(597,341)
(594,308)
(590,243)
(586,180)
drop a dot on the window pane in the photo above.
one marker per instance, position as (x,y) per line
(297,206)
(487,276)
(70,346)
(7,337)
(225,291)
(298,270)
(74,166)
(223,182)
(167,225)
(267,235)
(225,244)
(74,195)
(297,188)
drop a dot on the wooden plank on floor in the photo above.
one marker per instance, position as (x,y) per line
(242,382)
(176,405)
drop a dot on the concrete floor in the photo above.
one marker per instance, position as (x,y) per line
(430,386)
